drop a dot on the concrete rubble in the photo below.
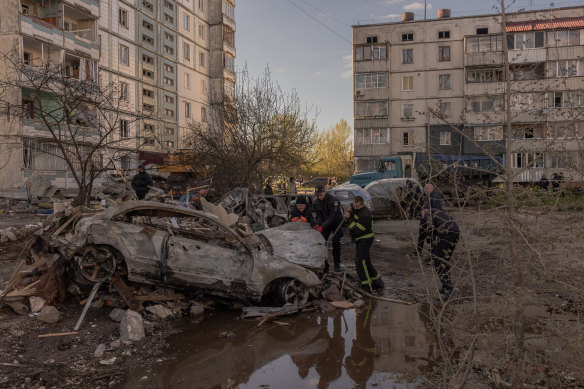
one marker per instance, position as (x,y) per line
(132,326)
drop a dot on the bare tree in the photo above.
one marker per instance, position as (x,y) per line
(85,125)
(257,132)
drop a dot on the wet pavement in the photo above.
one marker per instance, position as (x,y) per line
(377,345)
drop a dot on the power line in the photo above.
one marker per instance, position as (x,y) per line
(325,13)
(319,22)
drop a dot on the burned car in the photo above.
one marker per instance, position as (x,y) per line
(169,245)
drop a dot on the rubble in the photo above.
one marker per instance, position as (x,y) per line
(9,234)
(131,326)
(196,310)
(36,303)
(161,311)
(49,314)
(100,350)
(117,314)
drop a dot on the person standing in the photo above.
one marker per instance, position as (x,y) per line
(268,189)
(360,223)
(328,216)
(445,234)
(430,200)
(292,186)
(141,183)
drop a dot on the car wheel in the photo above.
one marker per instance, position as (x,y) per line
(96,263)
(293,292)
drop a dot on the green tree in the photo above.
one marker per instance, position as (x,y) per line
(333,152)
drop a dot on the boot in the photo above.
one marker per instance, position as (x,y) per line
(326,268)
(337,268)
(378,284)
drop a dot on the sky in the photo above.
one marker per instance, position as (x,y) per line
(307,43)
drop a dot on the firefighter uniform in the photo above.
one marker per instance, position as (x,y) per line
(327,214)
(361,228)
(360,364)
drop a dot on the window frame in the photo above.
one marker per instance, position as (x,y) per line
(411,82)
(445,81)
(442,57)
(124,53)
(123,18)
(407,56)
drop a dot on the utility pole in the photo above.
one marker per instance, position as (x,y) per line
(425,5)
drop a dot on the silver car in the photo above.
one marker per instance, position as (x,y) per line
(346,193)
(169,245)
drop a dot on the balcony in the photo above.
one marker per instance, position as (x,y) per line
(487,58)
(527,56)
(41,30)
(228,74)
(229,22)
(89,6)
(75,41)
(228,49)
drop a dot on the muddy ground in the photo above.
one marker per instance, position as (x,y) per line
(552,252)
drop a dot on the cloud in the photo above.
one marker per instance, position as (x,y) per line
(391,16)
(416,6)
(281,70)
(348,59)
(391,2)
(317,73)
(347,73)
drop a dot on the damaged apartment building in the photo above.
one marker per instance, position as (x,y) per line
(439,86)
(167,59)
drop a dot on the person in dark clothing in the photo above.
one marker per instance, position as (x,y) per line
(430,200)
(360,224)
(445,234)
(544,183)
(268,189)
(329,364)
(327,217)
(141,183)
(301,212)
(360,364)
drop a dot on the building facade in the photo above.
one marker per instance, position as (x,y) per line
(159,56)
(439,86)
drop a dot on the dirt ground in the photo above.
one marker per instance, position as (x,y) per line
(552,251)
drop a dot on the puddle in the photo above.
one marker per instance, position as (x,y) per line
(378,345)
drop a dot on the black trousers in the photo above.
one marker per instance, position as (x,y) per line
(141,194)
(365,269)
(336,244)
(441,253)
(422,235)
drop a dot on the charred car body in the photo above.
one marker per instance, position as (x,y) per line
(193,250)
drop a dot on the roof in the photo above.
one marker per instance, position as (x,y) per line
(549,24)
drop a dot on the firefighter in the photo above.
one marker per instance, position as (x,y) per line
(327,217)
(301,212)
(360,223)
(445,234)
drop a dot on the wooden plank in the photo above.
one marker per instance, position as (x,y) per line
(76,214)
(58,334)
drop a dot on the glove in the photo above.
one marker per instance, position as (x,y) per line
(295,219)
(303,219)
(318,228)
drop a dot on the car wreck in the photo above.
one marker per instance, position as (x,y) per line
(161,244)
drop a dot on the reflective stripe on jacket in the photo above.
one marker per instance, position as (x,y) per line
(361,224)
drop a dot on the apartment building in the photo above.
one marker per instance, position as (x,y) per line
(159,55)
(439,86)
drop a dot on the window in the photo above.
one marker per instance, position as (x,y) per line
(370,108)
(187,80)
(444,81)
(527,72)
(229,88)
(528,40)
(169,143)
(187,51)
(409,37)
(486,104)
(202,31)
(123,91)
(407,56)
(187,110)
(186,22)
(168,36)
(406,139)
(26,58)
(147,59)
(372,39)
(229,62)
(407,112)
(147,92)
(228,36)
(168,99)
(408,83)
(443,34)
(372,136)
(168,50)
(228,10)
(370,52)
(370,80)
(168,81)
(445,138)
(488,133)
(482,31)
(169,5)
(28,108)
(201,5)
(25,9)
(124,54)
(204,114)
(564,130)
(443,53)
(124,128)
(556,100)
(147,25)
(123,17)
(203,87)
(202,59)
(566,68)
(484,75)
(147,107)
(42,155)
(484,44)
(168,131)
(168,18)
(168,68)
(563,38)
(149,128)
(147,73)
(147,5)
(147,39)
(169,112)
(444,109)
(149,141)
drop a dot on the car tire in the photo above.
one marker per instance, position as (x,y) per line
(95,263)
(292,292)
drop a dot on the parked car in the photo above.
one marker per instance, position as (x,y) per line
(347,192)
(393,196)
(170,245)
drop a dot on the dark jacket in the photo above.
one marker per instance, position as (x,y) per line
(440,224)
(268,190)
(432,201)
(294,212)
(360,224)
(328,212)
(141,182)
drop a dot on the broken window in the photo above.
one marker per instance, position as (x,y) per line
(408,56)
(370,80)
(444,81)
(443,53)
